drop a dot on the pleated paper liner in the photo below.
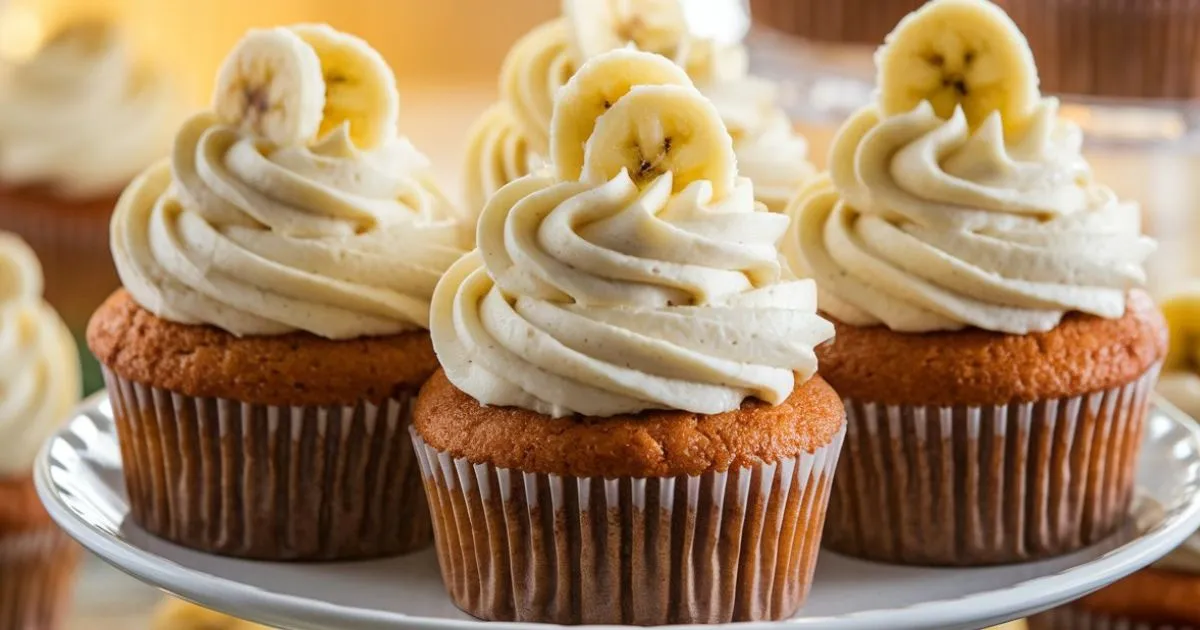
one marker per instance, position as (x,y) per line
(1114,48)
(37,573)
(268,482)
(986,485)
(1075,618)
(720,547)
(842,21)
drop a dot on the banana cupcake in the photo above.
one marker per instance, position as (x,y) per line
(272,327)
(40,381)
(512,138)
(994,349)
(78,121)
(629,388)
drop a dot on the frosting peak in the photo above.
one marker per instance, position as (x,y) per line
(927,223)
(83,116)
(606,293)
(259,238)
(39,377)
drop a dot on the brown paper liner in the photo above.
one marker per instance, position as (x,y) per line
(1114,48)
(267,482)
(731,546)
(971,486)
(835,21)
(37,572)
(1071,617)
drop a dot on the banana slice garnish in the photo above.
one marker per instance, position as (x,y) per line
(293,85)
(595,88)
(959,53)
(657,26)
(271,86)
(659,129)
(1182,312)
(360,88)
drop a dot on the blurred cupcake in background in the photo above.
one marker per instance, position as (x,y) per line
(40,381)
(78,121)
(1180,382)
(512,138)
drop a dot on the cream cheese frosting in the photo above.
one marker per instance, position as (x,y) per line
(769,150)
(609,295)
(258,239)
(39,377)
(498,153)
(83,116)
(925,224)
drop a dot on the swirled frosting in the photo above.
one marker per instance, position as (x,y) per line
(39,376)
(927,225)
(769,150)
(259,240)
(498,153)
(82,116)
(606,299)
(533,71)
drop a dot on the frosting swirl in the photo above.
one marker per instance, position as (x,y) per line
(82,116)
(39,377)
(606,299)
(260,240)
(768,149)
(927,225)
(533,71)
(498,153)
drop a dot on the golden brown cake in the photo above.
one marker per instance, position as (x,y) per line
(844,21)
(271,333)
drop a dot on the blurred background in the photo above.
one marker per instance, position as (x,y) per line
(446,54)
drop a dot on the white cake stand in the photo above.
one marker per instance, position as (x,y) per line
(79,479)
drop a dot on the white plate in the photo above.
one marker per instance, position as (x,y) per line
(79,478)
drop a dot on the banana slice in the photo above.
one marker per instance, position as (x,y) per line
(1182,311)
(271,86)
(598,26)
(360,87)
(959,53)
(596,86)
(656,129)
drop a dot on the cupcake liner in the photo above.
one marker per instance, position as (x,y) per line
(1075,618)
(270,482)
(1114,48)
(972,486)
(37,569)
(719,547)
(843,21)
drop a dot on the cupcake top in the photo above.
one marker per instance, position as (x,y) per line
(84,115)
(640,274)
(768,149)
(1180,382)
(39,377)
(293,205)
(959,198)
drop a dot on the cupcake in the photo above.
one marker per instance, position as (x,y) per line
(78,121)
(1163,596)
(629,388)
(994,350)
(176,614)
(512,138)
(272,327)
(40,380)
